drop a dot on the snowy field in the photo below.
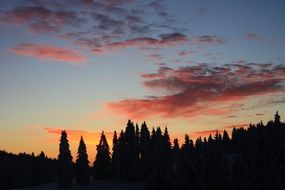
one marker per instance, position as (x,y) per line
(97,185)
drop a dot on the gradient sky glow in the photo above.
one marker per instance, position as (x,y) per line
(90,65)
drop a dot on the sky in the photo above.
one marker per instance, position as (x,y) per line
(90,65)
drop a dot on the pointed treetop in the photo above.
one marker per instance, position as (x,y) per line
(187,139)
(277,118)
(226,136)
(175,144)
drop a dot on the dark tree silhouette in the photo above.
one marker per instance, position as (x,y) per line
(82,167)
(115,162)
(277,119)
(159,177)
(145,151)
(102,161)
(226,142)
(130,152)
(175,161)
(64,162)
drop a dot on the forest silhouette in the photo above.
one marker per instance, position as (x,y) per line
(252,158)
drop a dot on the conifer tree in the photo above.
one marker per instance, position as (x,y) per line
(122,166)
(137,163)
(82,167)
(175,158)
(152,138)
(64,162)
(167,140)
(130,154)
(277,118)
(115,164)
(145,150)
(102,161)
(159,177)
(186,169)
(226,141)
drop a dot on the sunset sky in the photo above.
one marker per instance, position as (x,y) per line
(90,65)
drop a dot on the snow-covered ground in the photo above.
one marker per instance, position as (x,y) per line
(96,185)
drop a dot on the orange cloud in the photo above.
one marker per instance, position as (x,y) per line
(89,137)
(44,51)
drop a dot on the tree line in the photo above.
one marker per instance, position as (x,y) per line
(252,158)
(24,170)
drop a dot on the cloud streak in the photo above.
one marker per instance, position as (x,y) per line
(252,36)
(74,135)
(210,39)
(44,51)
(41,19)
(144,43)
(202,88)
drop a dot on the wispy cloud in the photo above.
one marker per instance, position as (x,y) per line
(118,24)
(202,88)
(144,43)
(210,39)
(44,51)
(41,19)
(90,137)
(252,36)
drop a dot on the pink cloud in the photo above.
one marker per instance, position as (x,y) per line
(143,43)
(207,89)
(44,51)
(252,36)
(210,39)
(40,18)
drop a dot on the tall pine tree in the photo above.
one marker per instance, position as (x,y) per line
(102,161)
(64,162)
(82,167)
(145,150)
(131,154)
(159,177)
(115,163)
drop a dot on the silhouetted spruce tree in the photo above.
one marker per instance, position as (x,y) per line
(226,142)
(130,152)
(102,163)
(199,144)
(175,160)
(210,140)
(64,162)
(145,151)
(137,139)
(159,177)
(167,150)
(277,119)
(152,139)
(187,174)
(115,163)
(82,167)
(167,140)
